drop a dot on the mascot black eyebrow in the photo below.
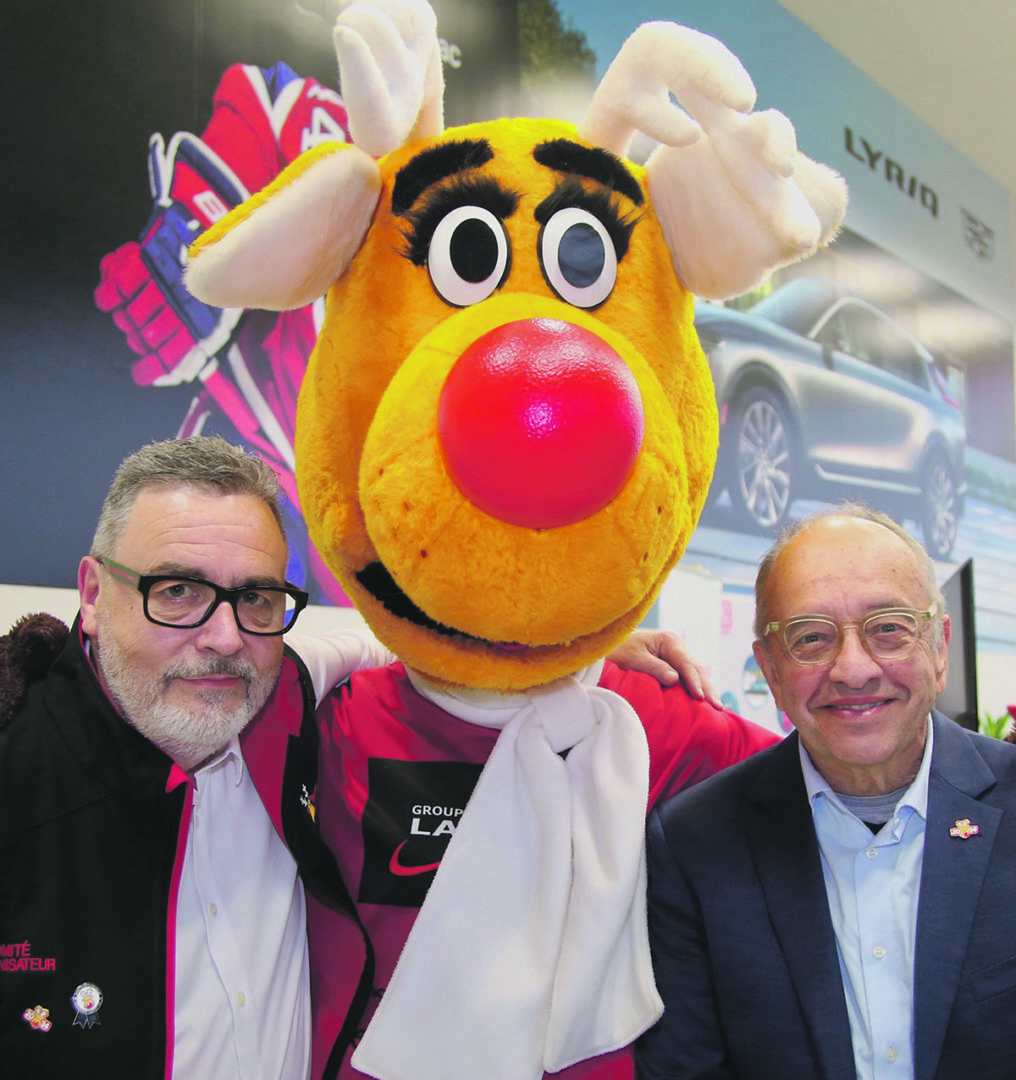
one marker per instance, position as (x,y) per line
(505,437)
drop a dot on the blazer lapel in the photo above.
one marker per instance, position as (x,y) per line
(951,879)
(782,841)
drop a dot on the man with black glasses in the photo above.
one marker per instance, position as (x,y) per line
(844,904)
(152,923)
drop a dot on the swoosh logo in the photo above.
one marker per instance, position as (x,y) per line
(408,871)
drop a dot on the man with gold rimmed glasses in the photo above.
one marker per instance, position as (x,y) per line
(885,635)
(841,905)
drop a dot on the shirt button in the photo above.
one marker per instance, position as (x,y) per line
(872,853)
(891,1054)
(241,999)
(878,952)
(213,909)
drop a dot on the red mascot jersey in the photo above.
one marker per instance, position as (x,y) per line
(394,775)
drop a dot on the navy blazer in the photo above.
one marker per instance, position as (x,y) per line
(743,945)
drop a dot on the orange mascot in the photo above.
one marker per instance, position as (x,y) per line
(504,439)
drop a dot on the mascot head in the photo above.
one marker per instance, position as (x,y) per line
(507,429)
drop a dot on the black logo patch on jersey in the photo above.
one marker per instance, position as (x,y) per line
(412,810)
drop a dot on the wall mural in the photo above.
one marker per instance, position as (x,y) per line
(881,369)
(142,127)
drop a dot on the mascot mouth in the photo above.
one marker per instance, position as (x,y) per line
(377,580)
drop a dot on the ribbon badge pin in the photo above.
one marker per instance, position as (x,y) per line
(38,1018)
(964,830)
(86,1001)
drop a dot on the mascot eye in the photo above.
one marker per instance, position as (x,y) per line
(468,255)
(578,257)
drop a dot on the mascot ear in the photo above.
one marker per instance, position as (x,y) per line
(285,247)
(735,198)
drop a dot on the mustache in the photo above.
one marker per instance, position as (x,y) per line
(222,665)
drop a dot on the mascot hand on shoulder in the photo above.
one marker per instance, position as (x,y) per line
(504,439)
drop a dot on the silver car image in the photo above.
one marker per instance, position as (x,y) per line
(823,396)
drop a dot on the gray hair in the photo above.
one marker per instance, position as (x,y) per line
(205,462)
(847,510)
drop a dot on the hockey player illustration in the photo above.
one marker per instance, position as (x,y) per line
(245,366)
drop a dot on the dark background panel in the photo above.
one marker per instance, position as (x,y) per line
(88,83)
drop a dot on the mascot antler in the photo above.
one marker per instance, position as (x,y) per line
(734,195)
(392,81)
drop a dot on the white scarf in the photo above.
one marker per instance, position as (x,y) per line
(530,952)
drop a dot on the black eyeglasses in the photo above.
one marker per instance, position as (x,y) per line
(186,602)
(885,635)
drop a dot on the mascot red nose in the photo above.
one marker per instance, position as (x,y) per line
(505,437)
(540,423)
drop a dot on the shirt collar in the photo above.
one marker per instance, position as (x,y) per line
(229,758)
(915,797)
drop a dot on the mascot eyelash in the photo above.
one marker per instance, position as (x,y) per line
(423,219)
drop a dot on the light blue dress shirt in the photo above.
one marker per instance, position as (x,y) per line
(873,885)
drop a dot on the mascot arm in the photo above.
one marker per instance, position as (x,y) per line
(333,656)
(689,740)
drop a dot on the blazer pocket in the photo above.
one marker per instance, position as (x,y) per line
(993,980)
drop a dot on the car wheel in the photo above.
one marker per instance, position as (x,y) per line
(939,508)
(761,461)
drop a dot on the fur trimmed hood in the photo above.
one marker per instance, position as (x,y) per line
(26,653)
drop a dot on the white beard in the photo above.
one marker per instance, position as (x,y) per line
(188,734)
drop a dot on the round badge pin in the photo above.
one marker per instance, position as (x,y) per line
(86,1001)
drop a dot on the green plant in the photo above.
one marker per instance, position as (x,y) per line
(995,726)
